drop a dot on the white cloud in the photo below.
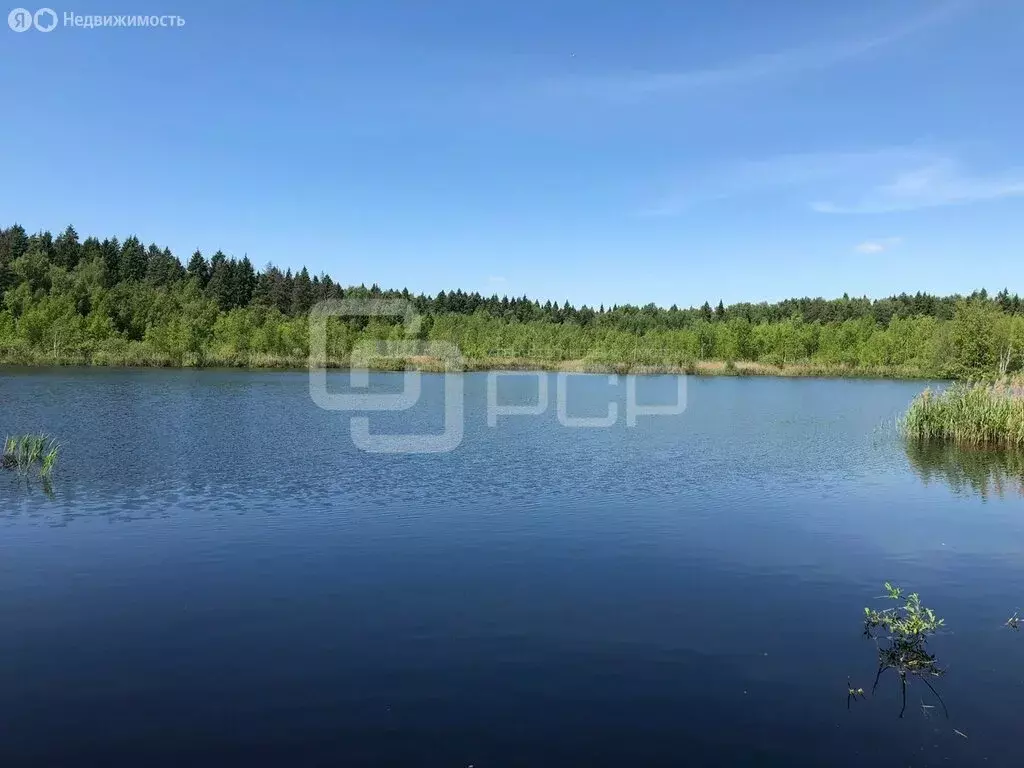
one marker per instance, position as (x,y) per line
(868,182)
(780,63)
(939,183)
(807,170)
(878,246)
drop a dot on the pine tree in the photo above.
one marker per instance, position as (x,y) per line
(175,271)
(263,292)
(133,262)
(13,244)
(67,250)
(91,250)
(42,242)
(245,282)
(302,293)
(198,269)
(284,291)
(111,250)
(155,267)
(221,281)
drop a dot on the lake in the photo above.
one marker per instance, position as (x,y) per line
(220,576)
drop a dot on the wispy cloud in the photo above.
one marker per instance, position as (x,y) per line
(810,170)
(867,182)
(940,183)
(780,63)
(878,246)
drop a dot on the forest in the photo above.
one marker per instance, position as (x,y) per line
(67,300)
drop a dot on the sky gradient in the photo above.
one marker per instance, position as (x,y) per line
(672,152)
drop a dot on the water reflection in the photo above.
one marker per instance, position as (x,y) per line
(975,471)
(26,485)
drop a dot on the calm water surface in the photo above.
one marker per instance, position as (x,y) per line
(220,577)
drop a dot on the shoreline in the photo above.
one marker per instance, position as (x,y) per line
(709,368)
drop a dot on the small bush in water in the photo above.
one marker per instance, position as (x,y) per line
(901,634)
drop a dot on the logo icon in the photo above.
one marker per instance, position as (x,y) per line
(363,353)
(379,333)
(45,19)
(20,20)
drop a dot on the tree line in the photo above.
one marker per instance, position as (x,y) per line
(66,299)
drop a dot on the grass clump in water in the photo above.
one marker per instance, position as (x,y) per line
(901,634)
(25,453)
(976,415)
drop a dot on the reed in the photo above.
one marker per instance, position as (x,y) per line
(979,415)
(25,453)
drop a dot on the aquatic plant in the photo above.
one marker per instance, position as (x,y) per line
(901,636)
(852,694)
(23,453)
(970,415)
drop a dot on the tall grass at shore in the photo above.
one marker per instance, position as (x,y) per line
(979,415)
(138,355)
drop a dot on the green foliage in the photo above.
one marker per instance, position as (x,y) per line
(23,453)
(132,262)
(973,337)
(901,634)
(63,300)
(908,620)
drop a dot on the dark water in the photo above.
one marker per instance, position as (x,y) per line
(221,578)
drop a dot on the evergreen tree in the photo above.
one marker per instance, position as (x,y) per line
(156,269)
(133,262)
(42,242)
(91,250)
(221,285)
(302,293)
(111,250)
(13,244)
(263,292)
(198,269)
(162,267)
(175,271)
(67,250)
(103,291)
(244,282)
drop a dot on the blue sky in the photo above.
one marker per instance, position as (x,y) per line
(660,151)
